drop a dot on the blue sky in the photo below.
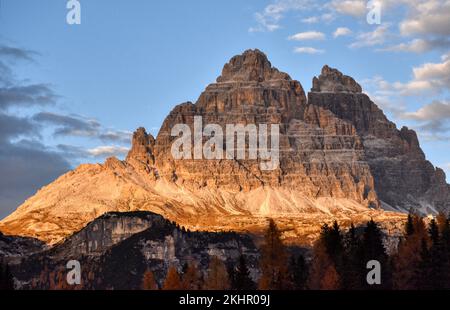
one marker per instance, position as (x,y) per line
(130,62)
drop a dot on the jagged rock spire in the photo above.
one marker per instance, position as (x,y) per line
(252,65)
(142,147)
(332,80)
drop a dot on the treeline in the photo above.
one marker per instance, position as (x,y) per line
(339,261)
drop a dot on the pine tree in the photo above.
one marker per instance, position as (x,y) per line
(299,272)
(172,281)
(192,279)
(274,260)
(409,226)
(217,277)
(353,266)
(6,277)
(407,260)
(241,279)
(372,248)
(148,281)
(323,274)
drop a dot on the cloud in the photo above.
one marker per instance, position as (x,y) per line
(79,126)
(16,53)
(272,14)
(110,150)
(419,45)
(26,96)
(12,127)
(427,18)
(435,111)
(376,37)
(75,152)
(311,20)
(309,35)
(426,78)
(355,8)
(308,50)
(24,168)
(342,31)
(69,125)
(429,77)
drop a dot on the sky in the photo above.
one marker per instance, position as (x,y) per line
(72,94)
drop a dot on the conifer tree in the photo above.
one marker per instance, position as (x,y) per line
(172,281)
(148,281)
(299,272)
(274,260)
(241,279)
(192,279)
(217,277)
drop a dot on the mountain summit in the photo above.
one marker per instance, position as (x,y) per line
(340,158)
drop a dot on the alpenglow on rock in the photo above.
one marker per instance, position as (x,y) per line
(340,158)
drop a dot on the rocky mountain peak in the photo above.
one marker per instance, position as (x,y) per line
(251,66)
(142,147)
(332,80)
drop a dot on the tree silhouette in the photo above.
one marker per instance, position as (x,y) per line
(274,261)
(217,277)
(241,279)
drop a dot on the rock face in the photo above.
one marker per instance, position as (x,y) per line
(339,158)
(114,255)
(404,179)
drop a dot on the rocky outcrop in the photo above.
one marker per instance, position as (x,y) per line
(332,80)
(404,179)
(114,251)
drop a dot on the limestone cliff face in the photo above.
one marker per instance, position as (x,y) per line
(404,179)
(340,158)
(320,154)
(117,248)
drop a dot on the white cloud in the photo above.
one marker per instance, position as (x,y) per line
(342,31)
(355,8)
(430,17)
(272,14)
(108,151)
(437,110)
(376,37)
(429,77)
(311,20)
(309,35)
(308,50)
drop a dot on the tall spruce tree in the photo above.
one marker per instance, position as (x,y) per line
(240,278)
(372,248)
(274,260)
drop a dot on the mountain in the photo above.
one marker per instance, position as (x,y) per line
(339,158)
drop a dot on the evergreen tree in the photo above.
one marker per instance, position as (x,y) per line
(6,277)
(192,279)
(409,226)
(148,281)
(217,277)
(353,266)
(274,261)
(241,279)
(172,281)
(299,272)
(323,274)
(372,248)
